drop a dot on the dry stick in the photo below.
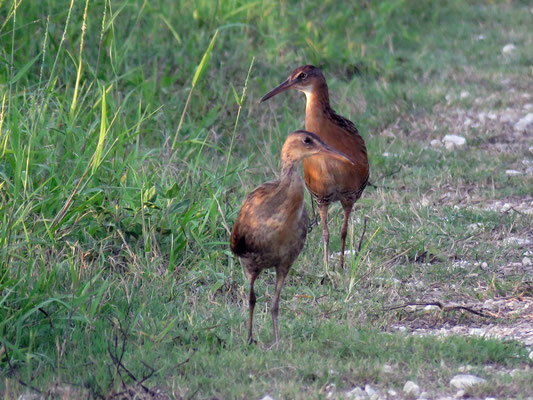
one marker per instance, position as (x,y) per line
(440,305)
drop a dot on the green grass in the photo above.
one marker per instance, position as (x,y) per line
(127,148)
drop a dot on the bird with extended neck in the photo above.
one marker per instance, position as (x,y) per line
(271,226)
(329,179)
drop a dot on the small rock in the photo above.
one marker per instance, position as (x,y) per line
(465,368)
(411,389)
(527,106)
(464,94)
(387,369)
(481,37)
(387,154)
(356,394)
(523,123)
(508,49)
(512,172)
(429,309)
(526,261)
(424,395)
(465,381)
(370,391)
(492,116)
(452,141)
(435,143)
(460,394)
(517,241)
(484,264)
(531,355)
(392,392)
(467,122)
(267,397)
(529,170)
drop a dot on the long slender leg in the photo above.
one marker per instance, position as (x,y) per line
(344,229)
(251,305)
(280,280)
(323,209)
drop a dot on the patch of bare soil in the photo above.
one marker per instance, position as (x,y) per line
(493,120)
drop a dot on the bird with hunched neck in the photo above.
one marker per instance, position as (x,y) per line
(271,226)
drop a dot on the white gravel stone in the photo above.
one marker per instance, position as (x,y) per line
(513,172)
(508,49)
(517,240)
(267,397)
(460,394)
(392,392)
(452,141)
(356,394)
(411,388)
(435,143)
(531,355)
(526,261)
(524,123)
(464,381)
(464,94)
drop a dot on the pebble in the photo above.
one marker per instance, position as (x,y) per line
(465,381)
(513,172)
(508,49)
(370,391)
(529,170)
(460,394)
(356,394)
(531,355)
(411,388)
(517,241)
(523,123)
(526,261)
(452,141)
(464,94)
(435,143)
(267,397)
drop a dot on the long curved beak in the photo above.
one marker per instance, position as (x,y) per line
(331,152)
(281,88)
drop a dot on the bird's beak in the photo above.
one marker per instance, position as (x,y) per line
(331,152)
(281,88)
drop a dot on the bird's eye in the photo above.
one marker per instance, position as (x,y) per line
(302,75)
(307,140)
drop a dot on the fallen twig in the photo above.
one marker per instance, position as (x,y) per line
(440,305)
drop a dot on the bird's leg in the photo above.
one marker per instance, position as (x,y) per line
(280,280)
(251,305)
(323,209)
(344,230)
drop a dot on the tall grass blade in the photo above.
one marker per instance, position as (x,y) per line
(199,71)
(102,136)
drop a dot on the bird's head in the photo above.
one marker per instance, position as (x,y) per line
(305,79)
(302,144)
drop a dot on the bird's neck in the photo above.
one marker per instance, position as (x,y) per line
(290,178)
(317,99)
